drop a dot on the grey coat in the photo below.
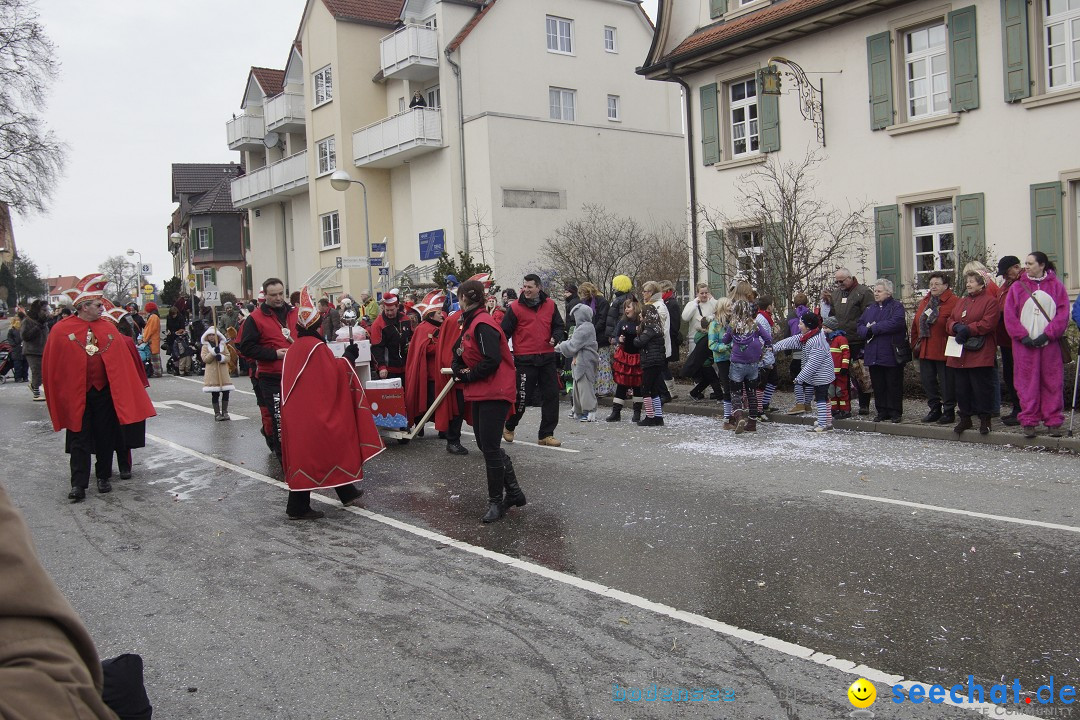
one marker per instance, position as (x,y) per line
(581,345)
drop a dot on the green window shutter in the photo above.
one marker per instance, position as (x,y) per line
(887,243)
(199,280)
(210,238)
(1046,220)
(213,275)
(716,261)
(768,119)
(879,59)
(717,8)
(249,285)
(710,125)
(1014,49)
(247,238)
(772,241)
(971,230)
(963,59)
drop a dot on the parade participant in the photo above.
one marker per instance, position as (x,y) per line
(582,348)
(151,335)
(484,366)
(840,392)
(250,366)
(268,334)
(450,304)
(133,435)
(450,415)
(93,383)
(390,335)
(322,407)
(35,333)
(424,370)
(216,379)
(650,343)
(534,325)
(626,363)
(817,372)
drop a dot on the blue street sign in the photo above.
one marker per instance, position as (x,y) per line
(375,262)
(432,244)
(378,247)
(384,271)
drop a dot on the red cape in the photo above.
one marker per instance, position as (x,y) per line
(327,431)
(416,369)
(63,371)
(449,408)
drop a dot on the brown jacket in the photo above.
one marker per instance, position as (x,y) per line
(49,667)
(980,313)
(933,347)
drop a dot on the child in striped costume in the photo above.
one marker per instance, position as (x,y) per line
(817,369)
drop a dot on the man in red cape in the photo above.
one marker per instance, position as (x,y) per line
(327,430)
(453,410)
(95,389)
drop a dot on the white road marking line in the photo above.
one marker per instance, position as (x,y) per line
(196,380)
(776,644)
(526,442)
(953,511)
(165,404)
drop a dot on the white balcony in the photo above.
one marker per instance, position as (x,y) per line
(245,132)
(411,53)
(285,112)
(392,141)
(272,183)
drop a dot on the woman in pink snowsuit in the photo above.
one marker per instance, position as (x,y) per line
(1036,316)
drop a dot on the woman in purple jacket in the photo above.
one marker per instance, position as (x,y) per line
(884,325)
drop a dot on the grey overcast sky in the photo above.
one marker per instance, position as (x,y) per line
(143,85)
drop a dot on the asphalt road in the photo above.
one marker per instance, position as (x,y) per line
(682,556)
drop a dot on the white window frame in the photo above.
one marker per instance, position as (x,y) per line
(207,276)
(750,260)
(611,39)
(558,107)
(614,104)
(1068,21)
(431,23)
(750,125)
(326,155)
(433,95)
(330,230)
(322,84)
(401,107)
(557,41)
(202,238)
(936,233)
(927,56)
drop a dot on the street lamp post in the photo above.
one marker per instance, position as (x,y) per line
(138,287)
(177,240)
(340,181)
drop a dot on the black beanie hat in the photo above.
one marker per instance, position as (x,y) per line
(811,320)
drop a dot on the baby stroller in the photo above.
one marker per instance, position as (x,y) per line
(144,355)
(6,361)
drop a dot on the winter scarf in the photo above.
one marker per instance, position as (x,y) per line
(928,319)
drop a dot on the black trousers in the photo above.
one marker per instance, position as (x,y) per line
(652,380)
(100,436)
(1007,374)
(270,390)
(975,390)
(453,432)
(888,383)
(707,377)
(938,383)
(544,378)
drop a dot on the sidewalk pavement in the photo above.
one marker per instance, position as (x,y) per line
(914,410)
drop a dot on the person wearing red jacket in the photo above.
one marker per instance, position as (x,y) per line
(484,366)
(973,322)
(928,337)
(423,370)
(840,391)
(390,334)
(95,389)
(267,336)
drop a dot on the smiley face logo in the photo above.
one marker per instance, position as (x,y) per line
(862,693)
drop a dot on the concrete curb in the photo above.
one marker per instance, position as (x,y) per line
(906,429)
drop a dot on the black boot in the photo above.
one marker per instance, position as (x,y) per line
(864,403)
(77,494)
(984,424)
(616,412)
(964,424)
(217,408)
(637,413)
(1011,419)
(225,406)
(949,416)
(934,415)
(514,496)
(495,481)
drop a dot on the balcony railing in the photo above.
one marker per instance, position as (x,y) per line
(392,141)
(284,178)
(245,132)
(411,53)
(285,112)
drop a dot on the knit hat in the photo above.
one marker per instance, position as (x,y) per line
(570,288)
(830,323)
(811,320)
(621,283)
(150,307)
(1007,262)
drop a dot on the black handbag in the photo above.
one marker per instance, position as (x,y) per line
(902,351)
(975,343)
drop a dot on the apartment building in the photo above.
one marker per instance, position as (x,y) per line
(206,234)
(529,111)
(954,119)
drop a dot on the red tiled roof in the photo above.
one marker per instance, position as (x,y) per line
(460,37)
(59,284)
(373,12)
(743,25)
(271,81)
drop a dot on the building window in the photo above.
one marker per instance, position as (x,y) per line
(1062,36)
(926,70)
(434,97)
(432,23)
(612,107)
(562,104)
(202,238)
(324,86)
(750,256)
(742,104)
(327,155)
(935,247)
(207,276)
(560,35)
(610,41)
(331,230)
